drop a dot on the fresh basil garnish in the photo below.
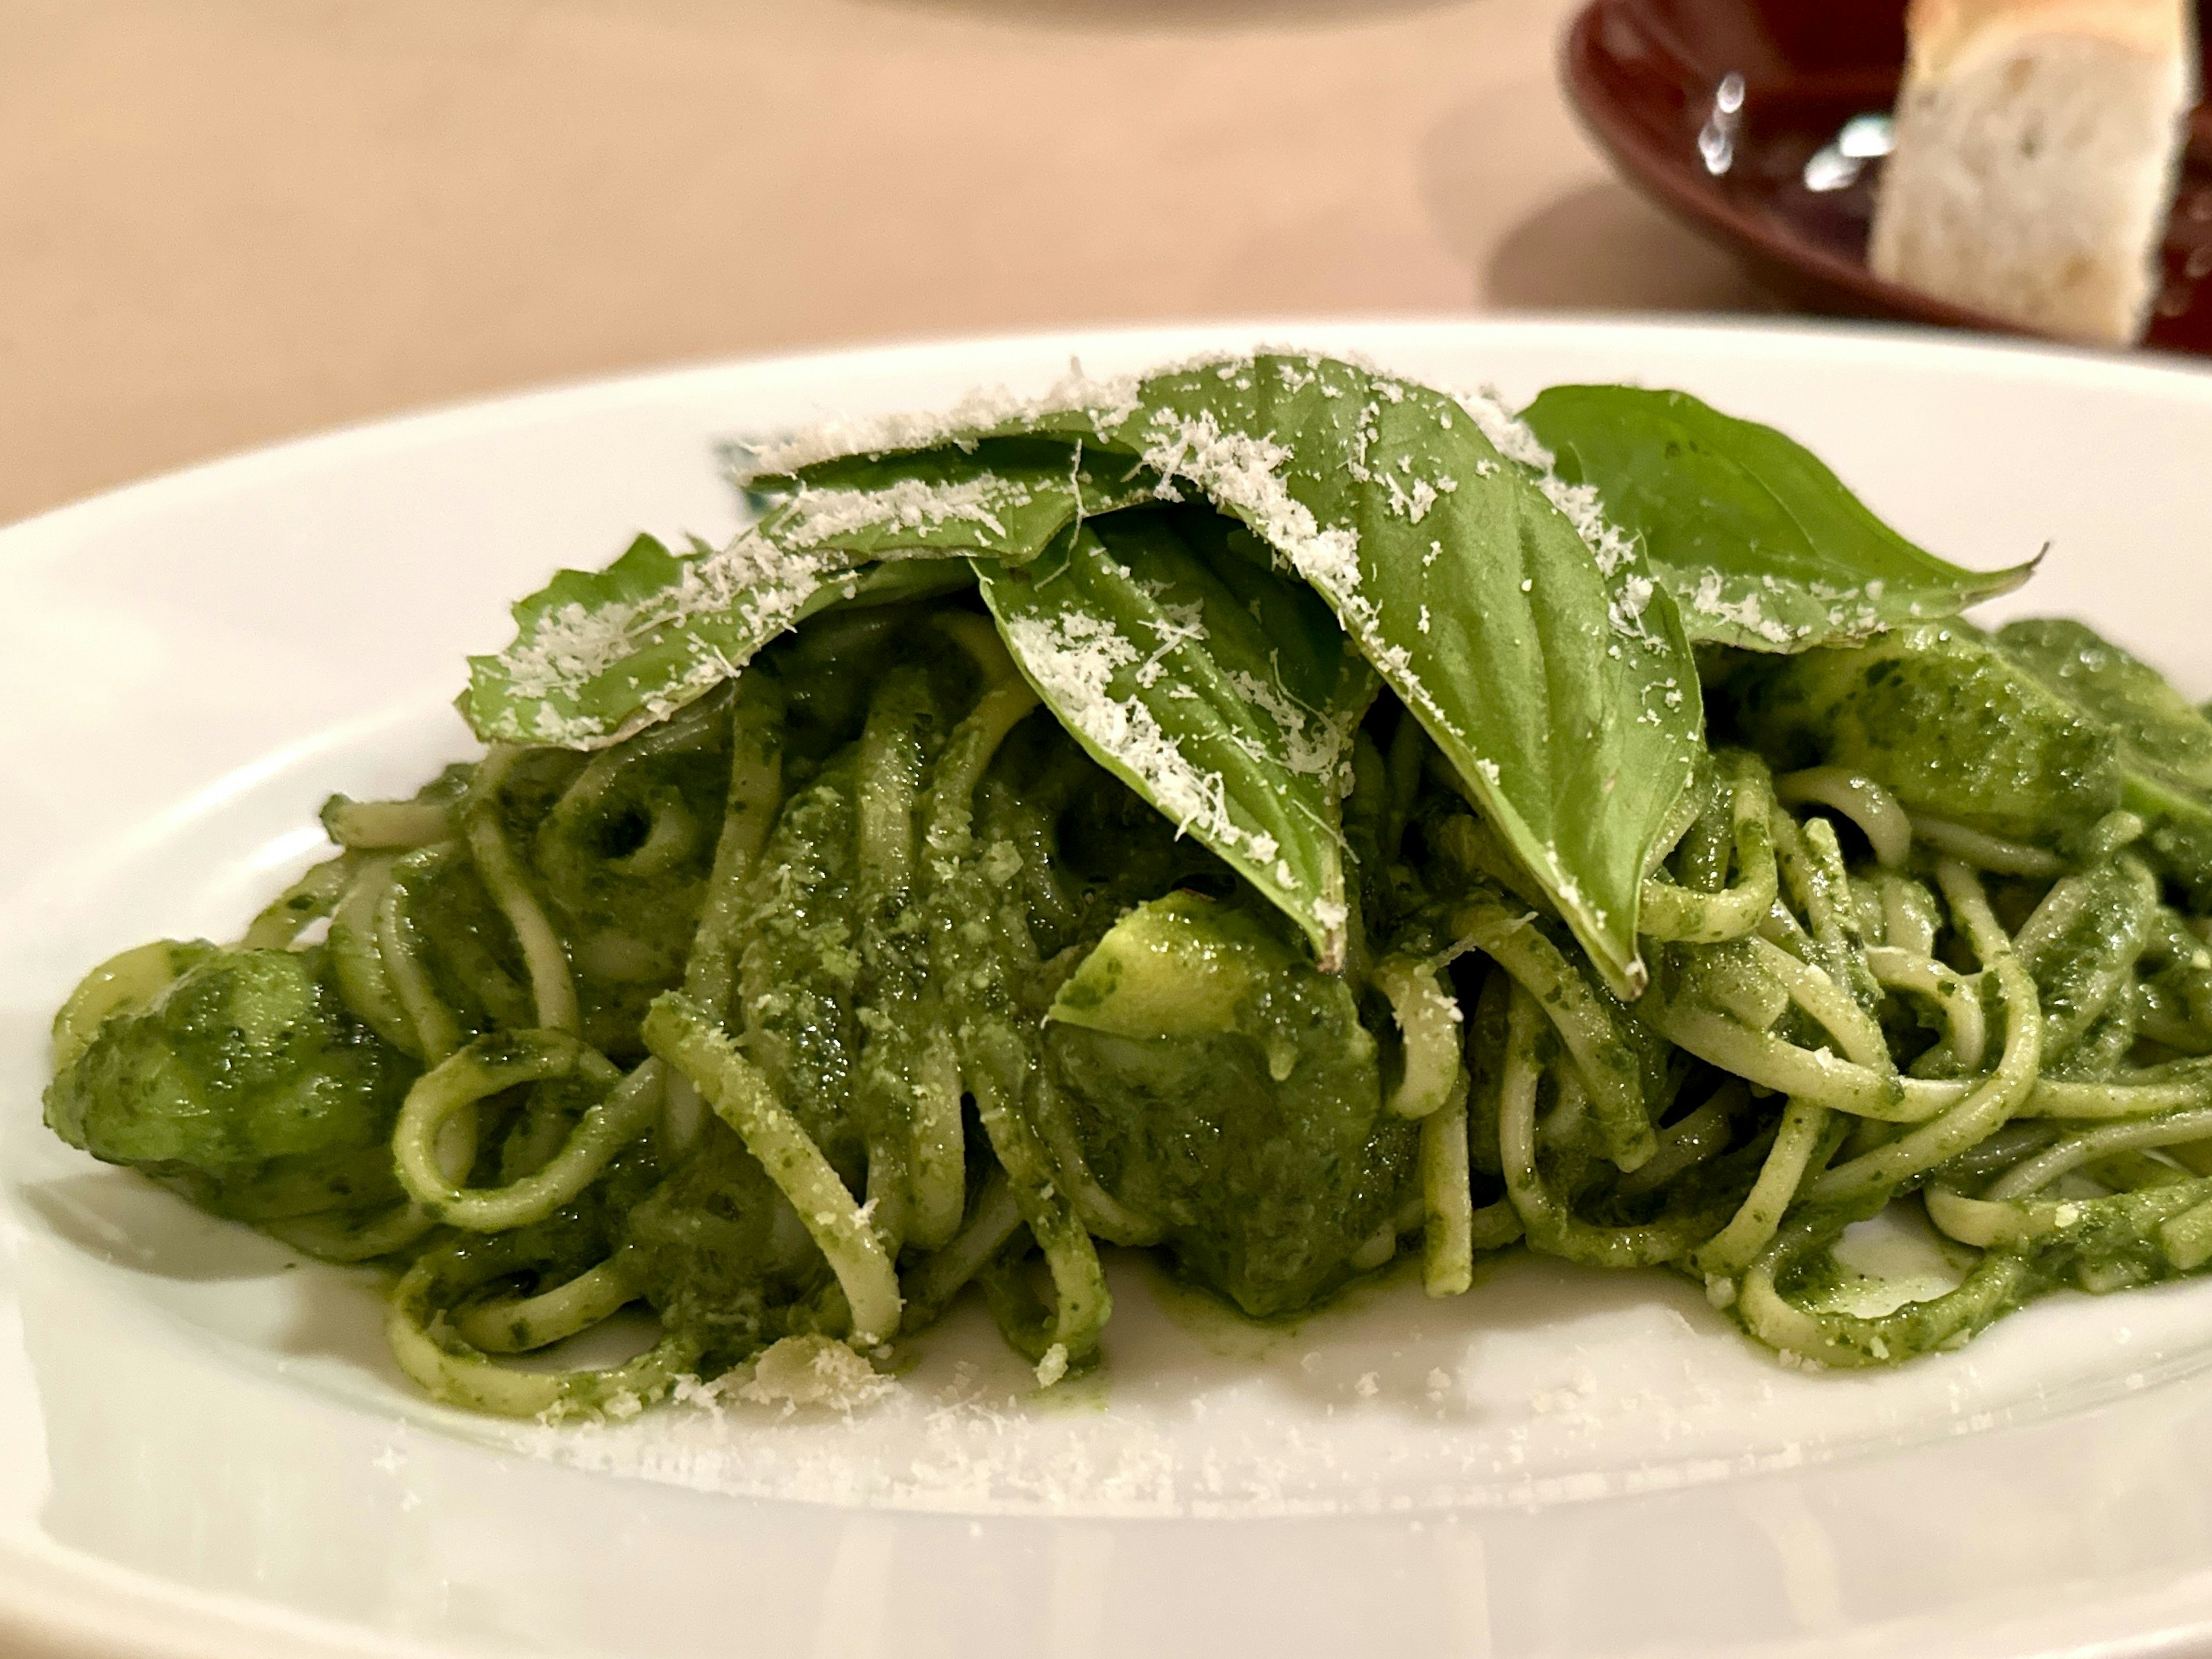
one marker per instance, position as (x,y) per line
(596,656)
(1760,543)
(1223,694)
(1540,655)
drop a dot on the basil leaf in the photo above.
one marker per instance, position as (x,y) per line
(1760,543)
(1551,669)
(1222,694)
(1554,675)
(899,581)
(2165,744)
(597,656)
(1011,490)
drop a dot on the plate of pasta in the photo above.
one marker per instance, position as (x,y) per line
(1523,987)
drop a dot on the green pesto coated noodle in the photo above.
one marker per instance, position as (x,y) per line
(308,899)
(1602,1057)
(938,1278)
(517,1324)
(1687,913)
(347,1239)
(1888,829)
(1428,1021)
(1447,1198)
(682,1036)
(754,794)
(399,945)
(357,958)
(1957,997)
(1827,1003)
(494,1063)
(1991,1103)
(1987,852)
(1047,839)
(1083,1301)
(552,985)
(1689,1141)
(450,1369)
(379,824)
(1733,1247)
(1547,1218)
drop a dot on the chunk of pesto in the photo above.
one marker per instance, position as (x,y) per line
(1946,721)
(244,1082)
(1225,1086)
(2165,744)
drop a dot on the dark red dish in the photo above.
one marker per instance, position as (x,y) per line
(1647,78)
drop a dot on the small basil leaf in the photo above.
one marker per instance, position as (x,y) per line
(596,656)
(898,581)
(1007,485)
(1760,543)
(1240,733)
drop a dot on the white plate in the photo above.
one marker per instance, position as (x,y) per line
(203,1451)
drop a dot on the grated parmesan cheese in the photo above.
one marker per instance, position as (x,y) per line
(1109,402)
(1053,1366)
(813,1370)
(1744,613)
(1074,659)
(819,515)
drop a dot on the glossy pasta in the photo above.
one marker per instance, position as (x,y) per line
(1047,839)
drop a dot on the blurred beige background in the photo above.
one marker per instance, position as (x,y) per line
(224,222)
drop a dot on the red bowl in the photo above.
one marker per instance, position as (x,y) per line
(1644,75)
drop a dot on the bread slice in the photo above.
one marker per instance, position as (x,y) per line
(2036,149)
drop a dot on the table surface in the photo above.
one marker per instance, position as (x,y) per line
(225,222)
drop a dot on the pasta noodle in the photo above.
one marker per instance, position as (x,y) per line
(894,964)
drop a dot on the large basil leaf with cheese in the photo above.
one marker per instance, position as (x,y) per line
(1224,694)
(1537,652)
(1760,543)
(598,655)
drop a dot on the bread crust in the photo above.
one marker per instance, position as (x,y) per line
(1947,35)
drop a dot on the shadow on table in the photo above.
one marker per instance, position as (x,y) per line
(1600,247)
(1176,17)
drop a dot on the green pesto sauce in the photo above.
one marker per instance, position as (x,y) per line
(245,1078)
(2165,744)
(1945,721)
(1172,1064)
(1228,1088)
